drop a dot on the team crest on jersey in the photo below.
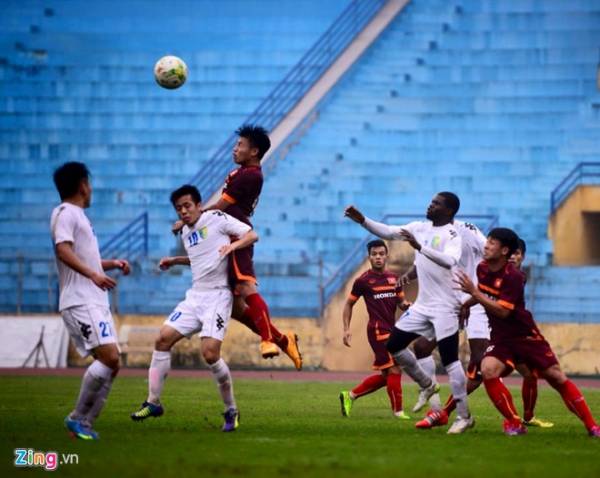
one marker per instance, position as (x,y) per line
(435,242)
(203,232)
(391,280)
(498,283)
(371,281)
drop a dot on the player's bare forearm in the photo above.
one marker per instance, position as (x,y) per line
(470,302)
(246,240)
(121,264)
(220,205)
(347,317)
(180,261)
(491,306)
(347,314)
(65,253)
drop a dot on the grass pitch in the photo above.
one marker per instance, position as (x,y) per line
(288,429)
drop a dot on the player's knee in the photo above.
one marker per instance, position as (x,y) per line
(163,343)
(555,376)
(489,371)
(111,360)
(245,288)
(211,355)
(423,347)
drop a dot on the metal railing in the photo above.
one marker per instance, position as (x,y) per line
(357,255)
(583,174)
(131,242)
(293,87)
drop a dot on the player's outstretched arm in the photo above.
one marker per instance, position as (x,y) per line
(65,253)
(121,264)
(167,262)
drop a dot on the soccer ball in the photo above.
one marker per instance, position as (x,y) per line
(170,72)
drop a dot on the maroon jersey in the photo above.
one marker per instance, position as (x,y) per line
(241,191)
(507,288)
(381,297)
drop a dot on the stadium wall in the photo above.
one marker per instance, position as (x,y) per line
(575,228)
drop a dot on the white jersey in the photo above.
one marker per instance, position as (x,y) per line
(440,252)
(473,242)
(202,242)
(70,224)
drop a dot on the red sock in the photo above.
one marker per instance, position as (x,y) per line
(280,339)
(529,392)
(259,313)
(502,399)
(369,385)
(394,390)
(450,405)
(576,403)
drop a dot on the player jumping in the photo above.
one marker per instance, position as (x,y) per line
(83,301)
(207,305)
(515,336)
(382,297)
(239,199)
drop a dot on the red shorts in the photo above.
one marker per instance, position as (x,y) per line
(535,353)
(383,359)
(241,266)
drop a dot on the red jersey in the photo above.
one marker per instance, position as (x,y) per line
(241,191)
(507,288)
(382,296)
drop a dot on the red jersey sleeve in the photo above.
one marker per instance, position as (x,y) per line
(357,290)
(241,185)
(511,290)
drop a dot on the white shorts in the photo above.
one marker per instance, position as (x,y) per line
(478,325)
(206,312)
(89,326)
(436,326)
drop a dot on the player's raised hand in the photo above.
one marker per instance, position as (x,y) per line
(347,338)
(464,283)
(177,227)
(354,214)
(123,265)
(165,263)
(103,281)
(410,238)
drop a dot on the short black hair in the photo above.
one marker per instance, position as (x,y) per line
(507,237)
(183,191)
(451,201)
(258,137)
(68,177)
(522,246)
(376,243)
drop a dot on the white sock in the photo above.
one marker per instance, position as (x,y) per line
(428,366)
(96,408)
(94,378)
(458,385)
(222,376)
(407,360)
(157,374)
